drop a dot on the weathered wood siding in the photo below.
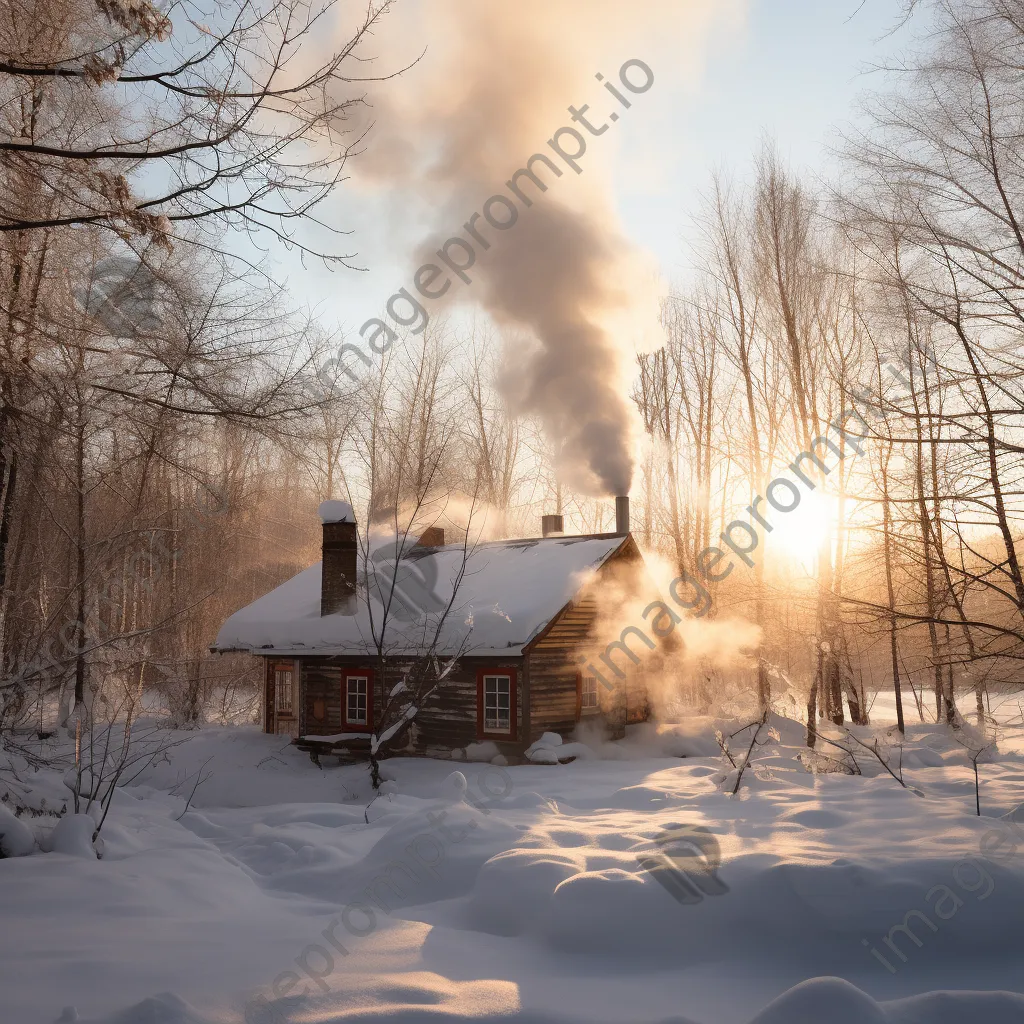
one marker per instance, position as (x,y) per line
(320,681)
(447,721)
(571,627)
(553,689)
(554,664)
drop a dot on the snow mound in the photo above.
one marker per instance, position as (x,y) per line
(73,835)
(550,749)
(820,999)
(454,785)
(839,1002)
(16,839)
(548,739)
(543,755)
(513,889)
(446,1002)
(165,1008)
(545,750)
(956,1007)
(485,751)
(429,857)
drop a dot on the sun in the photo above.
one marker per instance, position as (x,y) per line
(799,534)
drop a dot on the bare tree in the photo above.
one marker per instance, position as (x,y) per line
(937,182)
(225,107)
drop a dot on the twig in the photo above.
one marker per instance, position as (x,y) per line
(881,760)
(746,760)
(974,755)
(366,810)
(199,781)
(843,765)
(749,725)
(856,12)
(855,769)
(723,745)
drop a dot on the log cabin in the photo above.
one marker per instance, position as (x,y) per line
(531,623)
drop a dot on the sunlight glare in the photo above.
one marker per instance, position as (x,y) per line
(798,535)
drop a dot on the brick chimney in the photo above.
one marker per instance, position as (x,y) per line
(338,575)
(432,537)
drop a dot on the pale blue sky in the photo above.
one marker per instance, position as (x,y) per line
(794,73)
(792,70)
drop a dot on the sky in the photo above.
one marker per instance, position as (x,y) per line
(793,71)
(786,69)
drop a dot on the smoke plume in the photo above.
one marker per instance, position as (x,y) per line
(573,296)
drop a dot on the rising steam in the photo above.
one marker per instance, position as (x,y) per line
(493,87)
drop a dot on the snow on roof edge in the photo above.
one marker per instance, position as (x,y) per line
(515,591)
(323,652)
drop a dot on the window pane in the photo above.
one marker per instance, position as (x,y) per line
(356,700)
(498,703)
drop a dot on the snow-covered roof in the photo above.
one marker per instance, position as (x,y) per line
(509,592)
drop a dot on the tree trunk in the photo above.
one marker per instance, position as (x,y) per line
(81,668)
(890,590)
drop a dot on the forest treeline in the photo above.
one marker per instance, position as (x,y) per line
(166,432)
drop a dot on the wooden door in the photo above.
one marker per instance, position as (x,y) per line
(283,691)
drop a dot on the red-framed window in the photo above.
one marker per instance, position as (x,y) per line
(496,703)
(357,700)
(587,700)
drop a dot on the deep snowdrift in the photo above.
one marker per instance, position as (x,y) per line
(475,892)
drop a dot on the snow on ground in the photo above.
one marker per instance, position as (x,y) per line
(479,892)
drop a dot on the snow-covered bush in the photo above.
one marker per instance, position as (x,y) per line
(16,838)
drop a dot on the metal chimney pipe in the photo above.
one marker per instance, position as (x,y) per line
(622,514)
(551,524)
